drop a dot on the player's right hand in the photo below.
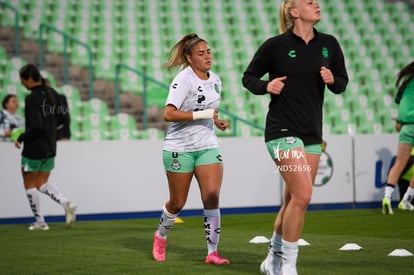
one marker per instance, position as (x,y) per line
(276,85)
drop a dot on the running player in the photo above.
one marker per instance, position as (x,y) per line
(299,62)
(191,147)
(405,99)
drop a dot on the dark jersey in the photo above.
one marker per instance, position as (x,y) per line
(39,139)
(297,111)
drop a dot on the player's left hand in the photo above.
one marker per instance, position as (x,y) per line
(327,76)
(221,124)
(17,144)
(398,126)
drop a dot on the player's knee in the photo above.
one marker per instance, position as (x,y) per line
(302,200)
(211,200)
(175,206)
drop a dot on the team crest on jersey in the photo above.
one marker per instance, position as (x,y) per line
(290,140)
(325,52)
(216,87)
(175,165)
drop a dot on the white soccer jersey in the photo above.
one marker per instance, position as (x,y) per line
(189,93)
(9,122)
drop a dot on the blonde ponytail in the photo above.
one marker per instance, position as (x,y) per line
(177,57)
(285,19)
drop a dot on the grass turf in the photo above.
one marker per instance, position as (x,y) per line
(124,246)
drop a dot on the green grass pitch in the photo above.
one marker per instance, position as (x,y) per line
(124,246)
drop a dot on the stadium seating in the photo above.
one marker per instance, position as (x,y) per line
(150,133)
(123,127)
(376,38)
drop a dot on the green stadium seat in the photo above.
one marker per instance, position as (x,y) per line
(75,111)
(383,102)
(2,94)
(124,134)
(151,134)
(34,18)
(49,77)
(12,85)
(131,82)
(339,116)
(123,127)
(15,63)
(95,135)
(3,60)
(388,114)
(372,128)
(95,106)
(105,68)
(75,130)
(7,17)
(74,101)
(21,94)
(95,121)
(388,126)
(79,55)
(11,82)
(365,121)
(72,93)
(156,95)
(122,120)
(340,129)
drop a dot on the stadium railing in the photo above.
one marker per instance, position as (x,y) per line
(145,81)
(16,26)
(66,39)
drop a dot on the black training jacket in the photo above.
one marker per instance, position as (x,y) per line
(39,139)
(297,111)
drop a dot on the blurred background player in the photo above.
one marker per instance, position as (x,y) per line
(39,145)
(9,119)
(300,63)
(191,147)
(406,175)
(405,125)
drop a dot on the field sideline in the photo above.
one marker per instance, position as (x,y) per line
(124,246)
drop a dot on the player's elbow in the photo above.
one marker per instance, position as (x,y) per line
(169,113)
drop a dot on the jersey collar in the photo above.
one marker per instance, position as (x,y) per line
(292,34)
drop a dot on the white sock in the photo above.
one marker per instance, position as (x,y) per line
(388,191)
(212,228)
(290,252)
(274,254)
(409,194)
(276,242)
(54,193)
(166,223)
(34,202)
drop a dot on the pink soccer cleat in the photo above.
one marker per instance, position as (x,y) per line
(215,258)
(158,248)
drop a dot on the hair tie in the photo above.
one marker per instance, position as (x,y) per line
(190,44)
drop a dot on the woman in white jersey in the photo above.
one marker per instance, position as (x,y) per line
(191,145)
